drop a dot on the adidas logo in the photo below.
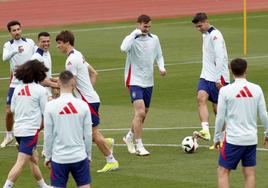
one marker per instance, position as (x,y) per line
(68,109)
(244,93)
(25,91)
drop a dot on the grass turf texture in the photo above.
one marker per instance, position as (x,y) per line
(173,102)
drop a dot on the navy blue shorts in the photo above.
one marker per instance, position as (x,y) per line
(60,173)
(137,92)
(27,144)
(230,156)
(94,110)
(210,88)
(9,95)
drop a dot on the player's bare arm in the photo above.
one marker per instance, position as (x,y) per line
(92,74)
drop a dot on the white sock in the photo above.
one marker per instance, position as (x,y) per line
(110,158)
(8,184)
(9,134)
(41,183)
(129,135)
(139,143)
(204,126)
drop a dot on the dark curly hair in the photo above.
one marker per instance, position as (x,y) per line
(31,71)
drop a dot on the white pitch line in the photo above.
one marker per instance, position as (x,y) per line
(152,145)
(167,64)
(154,128)
(132,26)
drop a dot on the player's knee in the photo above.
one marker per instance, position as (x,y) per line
(222,171)
(201,99)
(141,114)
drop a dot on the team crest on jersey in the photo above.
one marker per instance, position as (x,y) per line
(133,94)
(215,38)
(69,63)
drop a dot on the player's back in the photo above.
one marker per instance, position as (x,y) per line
(79,67)
(69,116)
(242,98)
(28,104)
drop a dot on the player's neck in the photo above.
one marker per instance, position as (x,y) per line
(240,77)
(66,90)
(69,49)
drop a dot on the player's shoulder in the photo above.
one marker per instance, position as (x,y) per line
(254,86)
(226,88)
(214,32)
(74,54)
(153,36)
(28,40)
(81,102)
(39,88)
(51,105)
(9,43)
(38,56)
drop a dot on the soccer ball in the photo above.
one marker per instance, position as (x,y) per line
(189,144)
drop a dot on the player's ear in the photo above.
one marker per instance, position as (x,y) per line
(73,83)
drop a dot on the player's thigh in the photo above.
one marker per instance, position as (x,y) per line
(249,156)
(139,106)
(27,145)
(81,173)
(230,156)
(202,96)
(59,174)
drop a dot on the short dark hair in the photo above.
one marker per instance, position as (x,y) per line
(43,34)
(12,23)
(65,77)
(66,36)
(144,19)
(199,17)
(31,71)
(238,66)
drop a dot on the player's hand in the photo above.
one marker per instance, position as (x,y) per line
(266,142)
(47,164)
(219,85)
(136,32)
(217,145)
(162,72)
(55,92)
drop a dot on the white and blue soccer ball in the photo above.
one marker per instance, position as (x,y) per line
(189,144)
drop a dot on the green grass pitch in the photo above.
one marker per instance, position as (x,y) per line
(173,108)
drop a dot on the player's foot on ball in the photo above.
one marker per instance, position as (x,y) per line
(205,135)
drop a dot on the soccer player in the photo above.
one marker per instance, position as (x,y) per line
(142,48)
(238,105)
(42,54)
(68,136)
(17,51)
(214,74)
(85,76)
(27,104)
